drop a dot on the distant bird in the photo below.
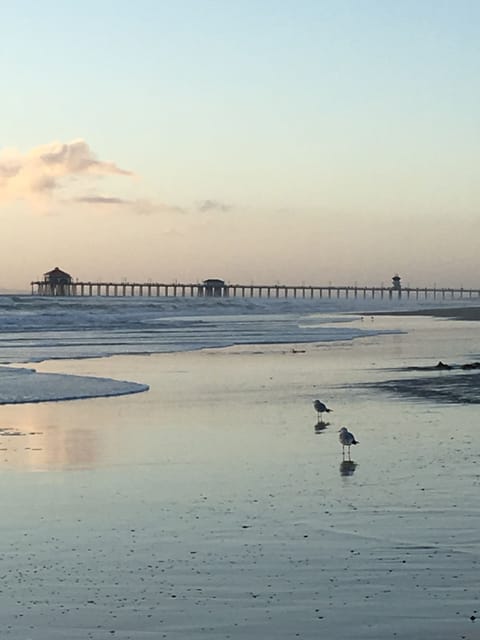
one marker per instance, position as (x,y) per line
(320,408)
(346,439)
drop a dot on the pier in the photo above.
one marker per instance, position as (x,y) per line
(220,289)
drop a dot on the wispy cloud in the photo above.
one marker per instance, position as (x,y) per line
(37,175)
(68,174)
(141,206)
(210,206)
(102,200)
(77,157)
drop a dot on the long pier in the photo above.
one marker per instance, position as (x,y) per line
(175,289)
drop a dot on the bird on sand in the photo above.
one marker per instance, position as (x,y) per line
(346,439)
(320,408)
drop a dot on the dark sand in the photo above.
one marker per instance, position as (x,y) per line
(454,382)
(454,313)
(443,387)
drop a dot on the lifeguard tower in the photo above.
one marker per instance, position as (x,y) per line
(396,286)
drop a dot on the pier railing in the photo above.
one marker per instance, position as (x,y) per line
(175,289)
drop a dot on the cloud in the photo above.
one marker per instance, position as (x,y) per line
(139,206)
(210,206)
(38,174)
(68,174)
(77,157)
(102,200)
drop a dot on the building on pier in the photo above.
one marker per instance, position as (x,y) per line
(396,284)
(57,282)
(214,287)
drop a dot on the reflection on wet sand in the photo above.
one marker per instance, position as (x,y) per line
(347,467)
(76,448)
(320,426)
(55,441)
(52,448)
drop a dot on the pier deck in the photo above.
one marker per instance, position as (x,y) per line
(175,289)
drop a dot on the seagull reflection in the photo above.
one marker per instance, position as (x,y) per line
(347,467)
(320,426)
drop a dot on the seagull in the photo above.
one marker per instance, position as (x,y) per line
(346,439)
(320,408)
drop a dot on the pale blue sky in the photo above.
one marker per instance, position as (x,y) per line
(292,141)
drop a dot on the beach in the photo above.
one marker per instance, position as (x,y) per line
(470,313)
(212,505)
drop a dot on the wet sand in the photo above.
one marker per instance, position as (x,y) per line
(456,313)
(212,507)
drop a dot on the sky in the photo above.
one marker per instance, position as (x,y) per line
(264,141)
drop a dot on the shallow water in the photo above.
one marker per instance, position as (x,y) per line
(209,507)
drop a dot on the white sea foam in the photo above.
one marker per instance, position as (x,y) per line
(26,385)
(33,329)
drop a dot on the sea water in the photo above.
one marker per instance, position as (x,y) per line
(35,329)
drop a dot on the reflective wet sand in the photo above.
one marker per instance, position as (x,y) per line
(215,506)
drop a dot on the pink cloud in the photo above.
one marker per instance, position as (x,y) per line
(36,175)
(67,174)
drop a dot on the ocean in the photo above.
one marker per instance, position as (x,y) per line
(36,329)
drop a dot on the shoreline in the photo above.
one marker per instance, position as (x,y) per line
(445,388)
(441,381)
(451,313)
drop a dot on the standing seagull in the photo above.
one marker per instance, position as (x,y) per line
(320,408)
(346,439)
